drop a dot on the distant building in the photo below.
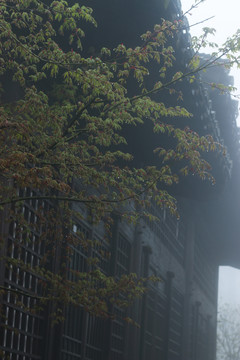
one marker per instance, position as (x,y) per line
(177,316)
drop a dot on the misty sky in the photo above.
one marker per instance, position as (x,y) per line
(229,286)
(226,21)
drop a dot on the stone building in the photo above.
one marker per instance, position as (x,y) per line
(177,316)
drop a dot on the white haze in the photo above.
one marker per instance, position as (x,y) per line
(226,22)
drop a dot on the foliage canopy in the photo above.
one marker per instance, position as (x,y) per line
(62,137)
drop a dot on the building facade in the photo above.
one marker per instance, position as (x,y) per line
(177,316)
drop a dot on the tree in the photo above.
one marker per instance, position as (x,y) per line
(62,141)
(228,330)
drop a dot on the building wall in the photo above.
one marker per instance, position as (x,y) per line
(176,316)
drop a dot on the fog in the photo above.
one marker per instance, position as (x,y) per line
(225,19)
(229,286)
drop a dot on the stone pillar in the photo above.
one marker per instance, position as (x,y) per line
(170,276)
(189,268)
(134,333)
(145,272)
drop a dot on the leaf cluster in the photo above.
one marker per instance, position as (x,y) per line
(63,136)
